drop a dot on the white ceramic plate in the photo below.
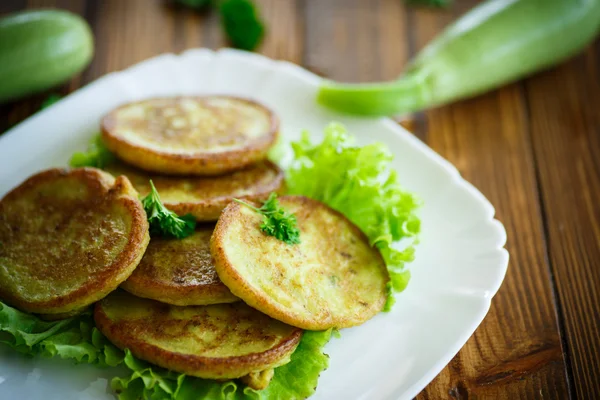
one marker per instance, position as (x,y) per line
(460,262)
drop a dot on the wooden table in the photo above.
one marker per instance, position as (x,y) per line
(533,149)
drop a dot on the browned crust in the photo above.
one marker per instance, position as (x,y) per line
(211,209)
(201,163)
(208,209)
(57,317)
(255,298)
(168,281)
(107,281)
(214,293)
(122,335)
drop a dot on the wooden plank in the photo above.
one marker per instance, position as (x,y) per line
(516,352)
(359,41)
(356,40)
(157,28)
(284,22)
(128,32)
(565,126)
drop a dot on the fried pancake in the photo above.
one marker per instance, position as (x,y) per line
(180,272)
(56,317)
(333,278)
(221,341)
(206,197)
(208,135)
(68,238)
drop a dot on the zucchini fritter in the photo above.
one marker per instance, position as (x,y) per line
(333,278)
(68,238)
(208,135)
(221,341)
(206,197)
(180,272)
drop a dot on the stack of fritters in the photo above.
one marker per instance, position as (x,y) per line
(69,237)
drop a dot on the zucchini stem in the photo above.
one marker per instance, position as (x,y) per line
(407,94)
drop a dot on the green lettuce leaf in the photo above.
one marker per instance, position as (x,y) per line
(97,155)
(74,338)
(360,183)
(78,339)
(298,379)
(294,380)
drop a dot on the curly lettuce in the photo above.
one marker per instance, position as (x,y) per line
(74,338)
(78,339)
(294,380)
(360,183)
(97,155)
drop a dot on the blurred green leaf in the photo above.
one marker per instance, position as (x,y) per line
(53,98)
(241,23)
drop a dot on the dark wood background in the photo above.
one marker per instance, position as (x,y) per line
(533,148)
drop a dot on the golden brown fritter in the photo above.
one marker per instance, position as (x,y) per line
(180,272)
(333,278)
(221,341)
(209,135)
(206,197)
(68,238)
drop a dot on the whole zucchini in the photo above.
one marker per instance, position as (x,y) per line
(41,49)
(495,43)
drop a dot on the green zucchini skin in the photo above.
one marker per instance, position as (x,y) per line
(497,42)
(41,49)
(502,41)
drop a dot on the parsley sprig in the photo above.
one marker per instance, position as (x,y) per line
(165,222)
(276,221)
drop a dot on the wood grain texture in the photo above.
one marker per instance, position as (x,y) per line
(564,107)
(152,30)
(360,41)
(285,29)
(356,40)
(532,148)
(516,352)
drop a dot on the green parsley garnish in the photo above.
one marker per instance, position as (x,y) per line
(276,221)
(165,222)
(97,155)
